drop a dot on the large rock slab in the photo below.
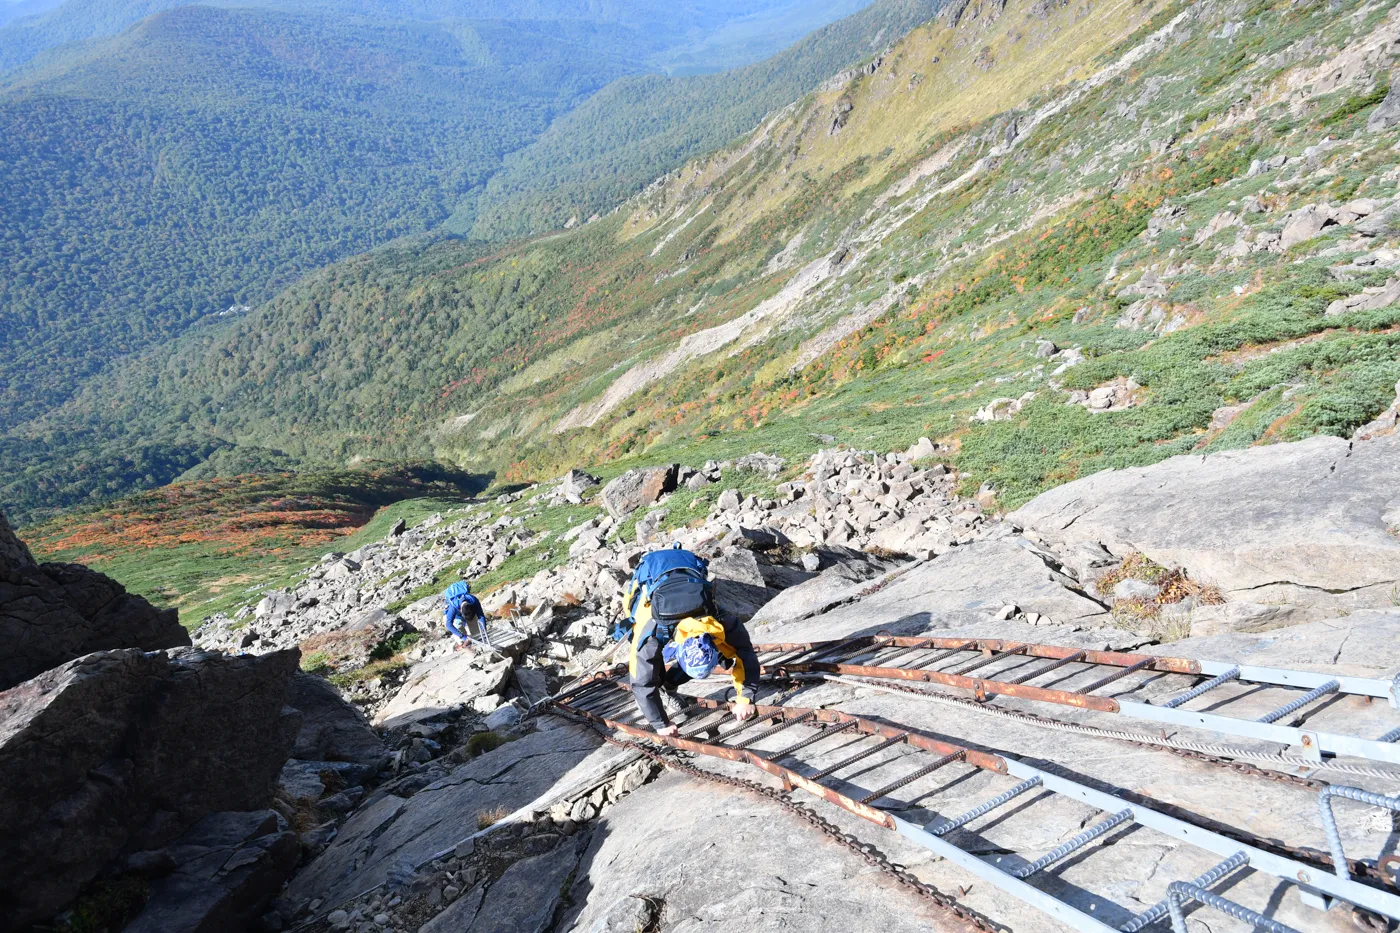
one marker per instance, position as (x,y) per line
(636,489)
(393,831)
(440,684)
(52,613)
(331,729)
(524,899)
(967,585)
(229,868)
(1296,522)
(1134,869)
(123,750)
(673,843)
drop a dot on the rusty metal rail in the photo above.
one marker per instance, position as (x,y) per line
(1075,677)
(895,759)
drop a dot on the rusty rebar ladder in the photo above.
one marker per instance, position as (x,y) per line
(906,757)
(1011,669)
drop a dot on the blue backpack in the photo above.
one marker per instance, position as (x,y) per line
(676,583)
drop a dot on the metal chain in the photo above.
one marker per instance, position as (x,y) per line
(1136,738)
(867,851)
(1359,868)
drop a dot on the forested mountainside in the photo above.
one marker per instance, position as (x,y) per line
(1057,237)
(206,157)
(700,32)
(620,139)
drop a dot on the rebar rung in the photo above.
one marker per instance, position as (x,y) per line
(1232,674)
(1116,675)
(785,724)
(911,778)
(858,756)
(984,807)
(1390,736)
(994,656)
(1159,910)
(826,733)
(1077,656)
(1329,820)
(905,650)
(944,655)
(1178,892)
(745,727)
(1078,842)
(1316,693)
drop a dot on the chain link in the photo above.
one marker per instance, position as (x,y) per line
(1360,869)
(867,851)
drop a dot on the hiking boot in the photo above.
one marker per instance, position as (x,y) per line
(672,702)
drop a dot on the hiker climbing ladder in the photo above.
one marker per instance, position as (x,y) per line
(895,759)
(1079,677)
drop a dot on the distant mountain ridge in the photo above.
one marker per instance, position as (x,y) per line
(1054,239)
(208,155)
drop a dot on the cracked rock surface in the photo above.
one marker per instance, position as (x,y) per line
(124,750)
(52,613)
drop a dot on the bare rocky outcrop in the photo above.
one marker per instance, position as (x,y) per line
(123,751)
(636,489)
(1309,525)
(228,866)
(52,613)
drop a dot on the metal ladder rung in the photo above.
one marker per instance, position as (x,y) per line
(1390,736)
(858,756)
(1077,656)
(1316,693)
(906,650)
(1159,910)
(785,724)
(746,726)
(984,807)
(1178,892)
(994,656)
(911,778)
(1232,674)
(874,646)
(1073,845)
(1115,676)
(826,733)
(944,655)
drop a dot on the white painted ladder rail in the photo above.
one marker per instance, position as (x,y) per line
(999,665)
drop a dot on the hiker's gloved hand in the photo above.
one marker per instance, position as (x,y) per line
(743,710)
(669,731)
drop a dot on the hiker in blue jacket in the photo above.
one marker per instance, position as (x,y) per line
(465,609)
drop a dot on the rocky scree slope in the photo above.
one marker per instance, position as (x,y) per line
(449,840)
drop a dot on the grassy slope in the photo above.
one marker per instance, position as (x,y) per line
(205,546)
(960,273)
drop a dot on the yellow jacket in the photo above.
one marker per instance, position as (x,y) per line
(744,675)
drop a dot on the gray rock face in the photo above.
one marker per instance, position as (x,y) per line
(1388,113)
(441,684)
(14,553)
(331,729)
(524,899)
(392,830)
(967,585)
(829,588)
(1300,519)
(739,587)
(52,613)
(230,866)
(801,883)
(123,750)
(638,488)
